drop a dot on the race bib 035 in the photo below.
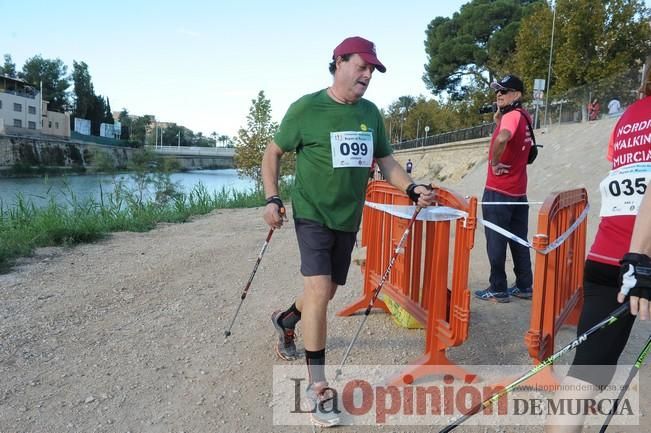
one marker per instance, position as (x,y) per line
(623,189)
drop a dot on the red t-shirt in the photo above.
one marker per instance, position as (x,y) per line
(630,143)
(515,154)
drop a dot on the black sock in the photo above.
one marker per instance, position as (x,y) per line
(315,361)
(288,319)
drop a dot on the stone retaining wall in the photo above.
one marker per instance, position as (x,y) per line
(445,162)
(71,154)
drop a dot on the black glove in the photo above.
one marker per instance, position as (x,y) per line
(413,195)
(635,275)
(278,202)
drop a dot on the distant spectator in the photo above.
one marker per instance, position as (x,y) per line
(409,166)
(614,106)
(593,109)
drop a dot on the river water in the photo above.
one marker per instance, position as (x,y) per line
(40,190)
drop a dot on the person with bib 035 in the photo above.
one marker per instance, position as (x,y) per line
(336,135)
(617,269)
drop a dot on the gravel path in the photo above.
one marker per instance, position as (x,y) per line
(126,335)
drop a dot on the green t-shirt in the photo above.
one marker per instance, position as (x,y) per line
(323,193)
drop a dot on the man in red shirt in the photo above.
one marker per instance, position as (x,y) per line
(506,181)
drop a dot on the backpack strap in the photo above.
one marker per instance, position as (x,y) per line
(533,137)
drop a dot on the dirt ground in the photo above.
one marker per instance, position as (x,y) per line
(127,334)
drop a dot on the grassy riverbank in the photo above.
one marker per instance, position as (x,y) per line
(154,199)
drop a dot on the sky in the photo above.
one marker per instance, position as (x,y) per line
(201,63)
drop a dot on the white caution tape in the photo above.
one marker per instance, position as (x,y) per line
(497,203)
(568,232)
(551,247)
(432,213)
(507,234)
(444,213)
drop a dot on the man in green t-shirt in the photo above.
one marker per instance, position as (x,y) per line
(336,135)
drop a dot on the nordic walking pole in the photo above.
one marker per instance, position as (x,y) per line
(227,333)
(376,292)
(638,364)
(612,318)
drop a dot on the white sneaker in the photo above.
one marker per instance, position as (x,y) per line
(321,402)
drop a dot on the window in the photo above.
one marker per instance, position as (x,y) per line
(31,109)
(56,125)
(18,107)
(31,125)
(18,123)
(49,124)
(0,104)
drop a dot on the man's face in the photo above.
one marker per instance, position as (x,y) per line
(506,97)
(353,76)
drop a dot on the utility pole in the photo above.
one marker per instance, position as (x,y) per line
(549,70)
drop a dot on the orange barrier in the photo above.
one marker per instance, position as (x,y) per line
(419,279)
(558,276)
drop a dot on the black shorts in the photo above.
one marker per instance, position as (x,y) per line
(596,358)
(324,251)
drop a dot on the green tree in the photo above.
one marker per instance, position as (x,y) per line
(125,122)
(473,46)
(139,127)
(398,113)
(596,44)
(252,140)
(88,105)
(531,59)
(84,93)
(175,134)
(9,67)
(438,116)
(108,113)
(53,75)
(96,114)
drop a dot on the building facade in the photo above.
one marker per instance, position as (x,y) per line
(20,104)
(24,112)
(55,123)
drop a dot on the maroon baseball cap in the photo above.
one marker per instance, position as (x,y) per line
(361,46)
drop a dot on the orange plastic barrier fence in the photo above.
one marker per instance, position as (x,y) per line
(558,276)
(419,279)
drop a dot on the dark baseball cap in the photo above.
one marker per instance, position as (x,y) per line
(508,82)
(361,46)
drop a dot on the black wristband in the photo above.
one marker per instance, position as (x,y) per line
(413,195)
(636,259)
(275,200)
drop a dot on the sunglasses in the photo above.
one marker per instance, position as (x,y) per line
(503,91)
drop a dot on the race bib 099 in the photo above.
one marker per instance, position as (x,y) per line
(351,149)
(623,189)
